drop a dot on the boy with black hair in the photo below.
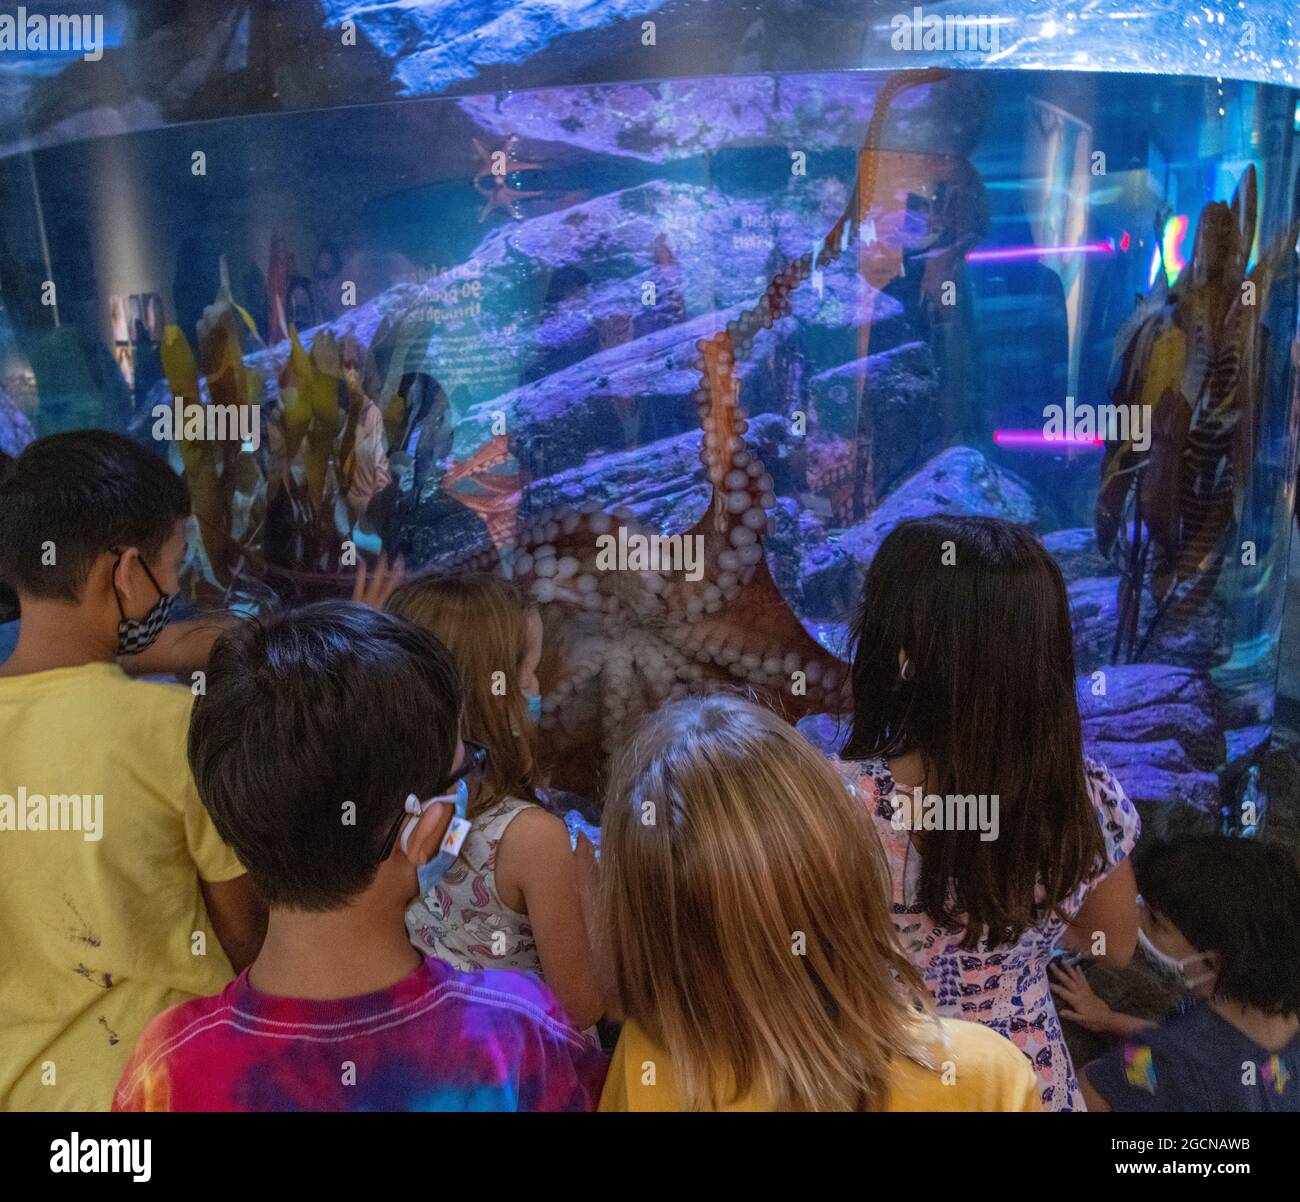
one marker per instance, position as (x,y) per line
(1224,915)
(327,751)
(117,896)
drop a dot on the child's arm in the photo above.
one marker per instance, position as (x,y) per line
(1087,1009)
(534,859)
(238,917)
(1110,911)
(181,647)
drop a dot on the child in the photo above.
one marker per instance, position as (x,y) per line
(967,750)
(117,897)
(511,899)
(327,752)
(744,923)
(1224,914)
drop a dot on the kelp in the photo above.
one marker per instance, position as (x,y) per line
(323,459)
(1192,356)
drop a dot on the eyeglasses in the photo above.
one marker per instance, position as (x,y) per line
(471,772)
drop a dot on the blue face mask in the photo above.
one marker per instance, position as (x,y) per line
(534,702)
(430,873)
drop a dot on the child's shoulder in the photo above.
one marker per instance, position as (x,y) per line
(971,1068)
(508,999)
(1193,1032)
(168,1034)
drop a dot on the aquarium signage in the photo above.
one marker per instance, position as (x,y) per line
(61,33)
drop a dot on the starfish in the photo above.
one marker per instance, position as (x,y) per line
(494,168)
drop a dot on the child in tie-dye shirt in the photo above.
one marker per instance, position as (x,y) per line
(321,739)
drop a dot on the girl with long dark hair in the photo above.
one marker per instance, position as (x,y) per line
(1004,840)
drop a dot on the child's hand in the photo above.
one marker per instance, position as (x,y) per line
(374,588)
(1085,1007)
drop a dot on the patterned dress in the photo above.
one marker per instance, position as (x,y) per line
(463,920)
(1004,987)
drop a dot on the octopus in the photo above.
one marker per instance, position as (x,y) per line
(619,643)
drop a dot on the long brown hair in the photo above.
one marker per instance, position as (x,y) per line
(744,914)
(979,609)
(483,623)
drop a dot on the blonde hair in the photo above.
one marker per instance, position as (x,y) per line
(482,621)
(745,915)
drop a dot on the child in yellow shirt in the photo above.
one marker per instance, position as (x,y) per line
(117,897)
(742,918)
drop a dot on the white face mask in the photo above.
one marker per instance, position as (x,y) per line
(1177,967)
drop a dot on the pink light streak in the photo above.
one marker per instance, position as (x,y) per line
(1036,440)
(1008,254)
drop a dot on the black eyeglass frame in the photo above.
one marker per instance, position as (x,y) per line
(476,759)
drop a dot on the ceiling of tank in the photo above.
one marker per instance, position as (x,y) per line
(129,65)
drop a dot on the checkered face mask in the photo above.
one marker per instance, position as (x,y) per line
(135,634)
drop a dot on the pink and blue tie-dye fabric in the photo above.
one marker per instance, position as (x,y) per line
(437,1040)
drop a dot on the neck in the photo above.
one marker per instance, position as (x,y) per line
(1271,1031)
(56,634)
(358,949)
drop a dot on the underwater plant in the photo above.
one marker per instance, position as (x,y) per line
(1193,355)
(326,457)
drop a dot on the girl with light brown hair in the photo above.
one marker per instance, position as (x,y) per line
(742,916)
(511,898)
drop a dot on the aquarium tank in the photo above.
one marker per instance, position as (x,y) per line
(497,285)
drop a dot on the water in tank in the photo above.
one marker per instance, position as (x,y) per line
(499,285)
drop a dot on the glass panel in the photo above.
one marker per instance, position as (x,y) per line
(490,331)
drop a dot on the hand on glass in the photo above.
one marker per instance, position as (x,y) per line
(373,588)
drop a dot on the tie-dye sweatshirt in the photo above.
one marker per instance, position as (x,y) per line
(437,1040)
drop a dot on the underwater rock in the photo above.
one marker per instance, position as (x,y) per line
(594,362)
(902,388)
(821,573)
(15,429)
(660,121)
(1202,641)
(1157,729)
(662,484)
(1075,550)
(434,45)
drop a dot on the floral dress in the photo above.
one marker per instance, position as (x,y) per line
(463,919)
(1004,987)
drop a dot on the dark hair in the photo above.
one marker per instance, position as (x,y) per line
(1239,898)
(304,712)
(980,609)
(86,492)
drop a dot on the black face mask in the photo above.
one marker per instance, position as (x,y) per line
(135,634)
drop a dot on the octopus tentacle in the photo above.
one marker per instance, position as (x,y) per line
(618,643)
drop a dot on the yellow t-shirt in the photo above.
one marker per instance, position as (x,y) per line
(976,1070)
(103,840)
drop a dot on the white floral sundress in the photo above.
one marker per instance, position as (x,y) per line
(1005,988)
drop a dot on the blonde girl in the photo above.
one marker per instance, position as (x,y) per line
(742,912)
(511,898)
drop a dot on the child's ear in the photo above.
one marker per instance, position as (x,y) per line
(429,831)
